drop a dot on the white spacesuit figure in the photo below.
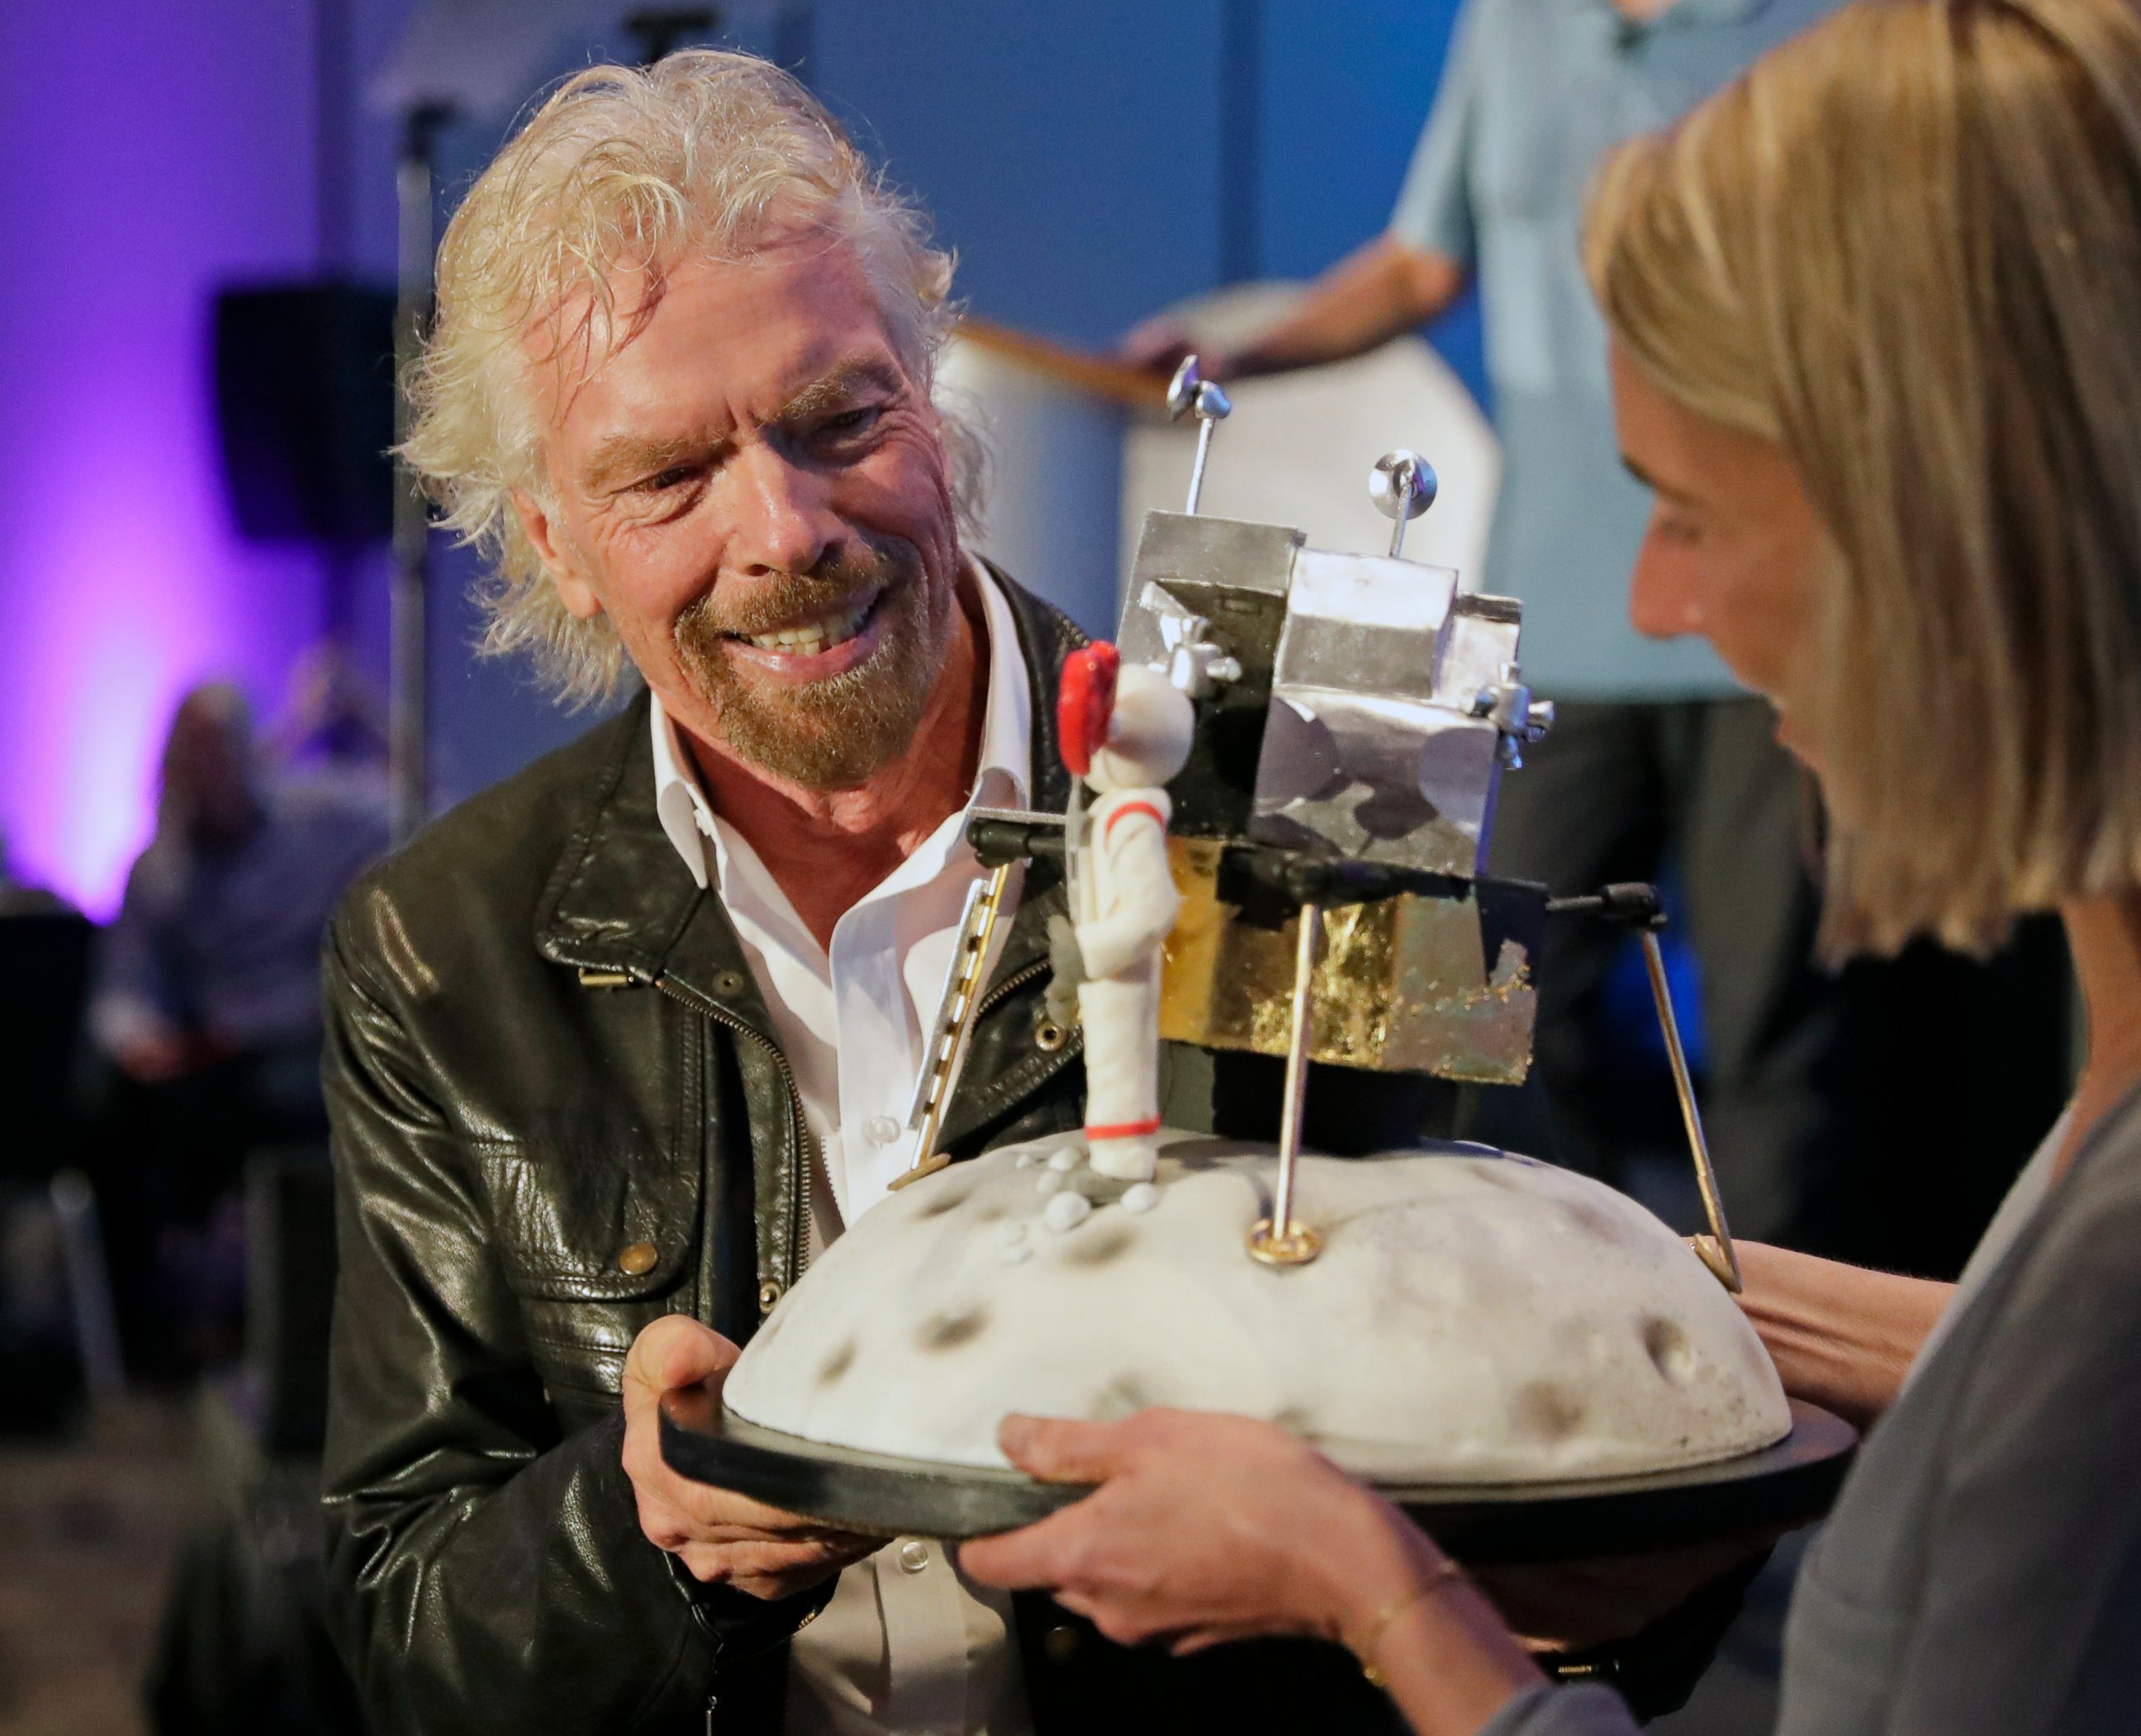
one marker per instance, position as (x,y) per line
(1126,905)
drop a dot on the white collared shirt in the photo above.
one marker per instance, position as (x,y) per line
(907,1645)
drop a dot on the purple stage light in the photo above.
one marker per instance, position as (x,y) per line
(146,164)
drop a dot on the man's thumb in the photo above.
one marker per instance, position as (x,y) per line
(676,1351)
(1059,1449)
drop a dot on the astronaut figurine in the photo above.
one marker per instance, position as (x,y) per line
(1130,728)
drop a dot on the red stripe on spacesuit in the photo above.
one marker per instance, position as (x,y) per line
(1159,819)
(1125,1129)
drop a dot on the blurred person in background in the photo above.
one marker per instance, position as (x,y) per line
(206,1004)
(1659,764)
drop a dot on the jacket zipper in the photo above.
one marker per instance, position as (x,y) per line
(799,1241)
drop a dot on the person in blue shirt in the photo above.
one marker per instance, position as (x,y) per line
(1659,757)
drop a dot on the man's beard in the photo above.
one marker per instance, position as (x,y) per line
(832,733)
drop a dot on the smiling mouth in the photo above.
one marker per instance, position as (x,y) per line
(810,638)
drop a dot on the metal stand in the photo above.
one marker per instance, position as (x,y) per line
(408,760)
(1190,393)
(1277,1240)
(1637,906)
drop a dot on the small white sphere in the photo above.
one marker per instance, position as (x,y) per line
(1016,1253)
(1028,1160)
(1140,1197)
(1066,1159)
(1052,1181)
(1010,1234)
(1066,1211)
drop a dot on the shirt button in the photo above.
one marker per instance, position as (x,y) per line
(914,1557)
(637,1261)
(881,1129)
(769,1293)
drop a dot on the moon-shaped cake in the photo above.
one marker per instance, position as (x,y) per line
(1474,1316)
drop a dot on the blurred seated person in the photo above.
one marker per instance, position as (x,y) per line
(1873,311)
(207,1000)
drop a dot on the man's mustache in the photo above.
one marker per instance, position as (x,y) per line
(782,600)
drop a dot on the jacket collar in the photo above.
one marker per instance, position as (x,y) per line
(621,902)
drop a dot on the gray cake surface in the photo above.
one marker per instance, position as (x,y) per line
(1474,1316)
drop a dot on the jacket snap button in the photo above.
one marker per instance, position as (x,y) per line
(637,1261)
(769,1293)
(1050,1036)
(729,982)
(1061,1644)
(914,1557)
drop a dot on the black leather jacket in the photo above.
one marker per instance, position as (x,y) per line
(547,1061)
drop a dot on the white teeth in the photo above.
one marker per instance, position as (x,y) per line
(815,636)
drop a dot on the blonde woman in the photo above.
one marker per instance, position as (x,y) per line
(1876,324)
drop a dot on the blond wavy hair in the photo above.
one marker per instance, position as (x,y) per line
(620,170)
(1907,247)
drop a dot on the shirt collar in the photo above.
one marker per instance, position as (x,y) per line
(687,817)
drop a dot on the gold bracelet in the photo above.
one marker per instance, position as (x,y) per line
(1381,1625)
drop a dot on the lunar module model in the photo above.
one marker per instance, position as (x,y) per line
(1533,1363)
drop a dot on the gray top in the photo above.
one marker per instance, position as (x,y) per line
(1981,1573)
(1534,93)
(229,943)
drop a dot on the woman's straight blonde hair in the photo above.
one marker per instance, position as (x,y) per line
(1907,247)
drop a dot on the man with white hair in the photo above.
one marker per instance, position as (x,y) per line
(618,1044)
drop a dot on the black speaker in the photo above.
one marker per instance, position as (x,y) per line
(304,394)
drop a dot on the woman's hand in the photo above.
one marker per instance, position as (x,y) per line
(1204,1528)
(1207,1528)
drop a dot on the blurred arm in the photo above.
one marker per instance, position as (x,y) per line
(1378,293)
(1374,294)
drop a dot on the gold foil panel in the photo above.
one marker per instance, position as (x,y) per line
(1403,985)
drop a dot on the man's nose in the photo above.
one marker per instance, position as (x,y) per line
(1663,600)
(783,519)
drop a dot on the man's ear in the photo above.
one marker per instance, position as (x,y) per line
(566,570)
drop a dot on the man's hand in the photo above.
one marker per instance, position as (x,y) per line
(722,1539)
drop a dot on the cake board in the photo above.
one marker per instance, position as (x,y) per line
(1792,1483)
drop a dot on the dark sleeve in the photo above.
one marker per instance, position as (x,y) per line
(2029,1619)
(485,1574)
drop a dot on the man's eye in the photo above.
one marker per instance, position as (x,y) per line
(851,421)
(661,481)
